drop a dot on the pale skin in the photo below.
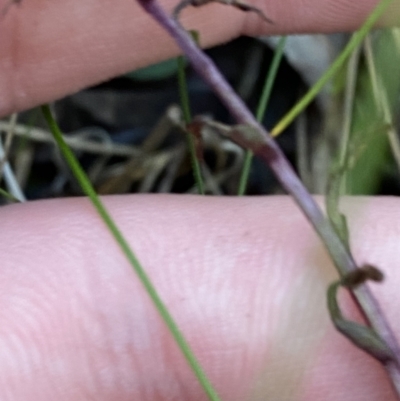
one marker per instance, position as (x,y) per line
(246,279)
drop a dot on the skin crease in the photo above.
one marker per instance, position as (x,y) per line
(244,277)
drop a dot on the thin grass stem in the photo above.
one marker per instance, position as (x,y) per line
(8,196)
(88,189)
(261,108)
(355,40)
(187,117)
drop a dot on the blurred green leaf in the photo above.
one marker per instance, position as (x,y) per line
(366,174)
(156,72)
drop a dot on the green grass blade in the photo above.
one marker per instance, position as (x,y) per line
(336,65)
(8,196)
(262,107)
(270,80)
(187,116)
(116,233)
(183,90)
(244,176)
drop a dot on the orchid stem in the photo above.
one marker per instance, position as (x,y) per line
(263,145)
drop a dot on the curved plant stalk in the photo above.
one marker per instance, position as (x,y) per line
(262,107)
(251,135)
(239,4)
(362,336)
(88,189)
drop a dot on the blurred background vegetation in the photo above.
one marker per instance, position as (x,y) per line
(129,137)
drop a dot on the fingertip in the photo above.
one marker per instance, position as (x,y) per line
(50,50)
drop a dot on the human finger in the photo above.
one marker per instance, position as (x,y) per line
(51,49)
(245,279)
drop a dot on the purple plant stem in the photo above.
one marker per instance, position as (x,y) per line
(269,151)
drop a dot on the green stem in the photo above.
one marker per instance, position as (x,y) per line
(262,106)
(187,116)
(8,196)
(355,40)
(116,233)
